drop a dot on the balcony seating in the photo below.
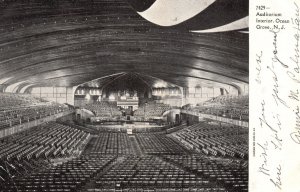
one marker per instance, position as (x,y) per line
(9,100)
(16,116)
(104,109)
(235,107)
(152,110)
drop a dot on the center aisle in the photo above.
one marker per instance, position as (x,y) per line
(117,161)
(136,147)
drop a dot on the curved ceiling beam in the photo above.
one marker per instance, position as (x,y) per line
(47,45)
(146,75)
(162,75)
(3,80)
(206,55)
(176,76)
(215,42)
(52,73)
(13,87)
(24,89)
(111,80)
(90,60)
(103,77)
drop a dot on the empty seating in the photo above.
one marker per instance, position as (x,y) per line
(231,174)
(158,144)
(9,170)
(49,140)
(68,176)
(49,158)
(109,143)
(150,172)
(215,140)
(176,128)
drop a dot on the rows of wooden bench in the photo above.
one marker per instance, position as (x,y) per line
(150,172)
(156,143)
(69,176)
(49,140)
(233,175)
(110,143)
(120,173)
(215,140)
(9,170)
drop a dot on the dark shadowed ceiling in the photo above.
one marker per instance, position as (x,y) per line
(125,78)
(70,42)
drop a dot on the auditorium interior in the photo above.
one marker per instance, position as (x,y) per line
(124,95)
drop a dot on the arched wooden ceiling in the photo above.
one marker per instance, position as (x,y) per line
(69,42)
(123,78)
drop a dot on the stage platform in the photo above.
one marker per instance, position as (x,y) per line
(131,124)
(129,127)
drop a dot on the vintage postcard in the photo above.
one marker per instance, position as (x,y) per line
(274,96)
(149,95)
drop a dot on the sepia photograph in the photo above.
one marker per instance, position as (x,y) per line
(125,95)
